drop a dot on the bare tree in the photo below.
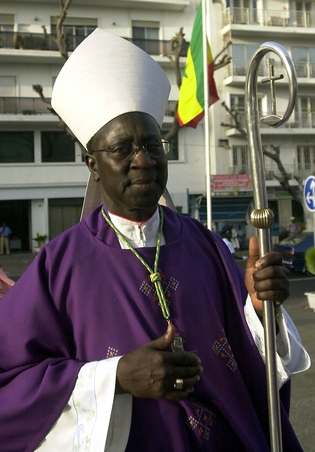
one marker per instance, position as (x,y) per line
(296,192)
(61,40)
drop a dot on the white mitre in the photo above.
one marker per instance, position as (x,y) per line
(105,77)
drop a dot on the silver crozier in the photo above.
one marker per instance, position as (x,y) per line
(262,217)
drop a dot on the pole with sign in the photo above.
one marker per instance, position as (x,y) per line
(309,198)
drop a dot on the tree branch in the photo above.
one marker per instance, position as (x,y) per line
(237,124)
(62,38)
(178,42)
(285,177)
(224,60)
(173,130)
(39,90)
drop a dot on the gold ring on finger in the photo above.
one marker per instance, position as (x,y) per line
(179,383)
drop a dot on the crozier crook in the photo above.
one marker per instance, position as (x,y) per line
(262,217)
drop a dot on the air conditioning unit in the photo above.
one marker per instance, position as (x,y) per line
(224,144)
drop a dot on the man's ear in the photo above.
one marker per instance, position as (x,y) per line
(90,162)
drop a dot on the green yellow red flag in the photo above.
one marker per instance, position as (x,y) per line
(191,103)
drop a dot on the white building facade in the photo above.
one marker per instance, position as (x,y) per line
(248,24)
(42,174)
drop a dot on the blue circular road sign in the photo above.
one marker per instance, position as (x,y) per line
(309,193)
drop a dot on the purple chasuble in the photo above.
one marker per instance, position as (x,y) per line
(85,299)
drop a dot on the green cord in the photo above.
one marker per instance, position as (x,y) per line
(155,275)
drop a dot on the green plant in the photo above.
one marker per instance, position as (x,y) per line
(310,260)
(40,239)
(301,224)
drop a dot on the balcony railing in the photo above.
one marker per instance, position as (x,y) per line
(239,169)
(239,67)
(157,47)
(299,120)
(27,41)
(23,106)
(35,106)
(269,18)
(272,173)
(38,41)
(305,69)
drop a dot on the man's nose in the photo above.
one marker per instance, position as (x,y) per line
(141,155)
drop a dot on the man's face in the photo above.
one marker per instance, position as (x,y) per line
(131,188)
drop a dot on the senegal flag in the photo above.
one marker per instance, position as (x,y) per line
(191,96)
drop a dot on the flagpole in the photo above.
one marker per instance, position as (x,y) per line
(206,111)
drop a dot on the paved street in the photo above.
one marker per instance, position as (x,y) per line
(15,264)
(303,386)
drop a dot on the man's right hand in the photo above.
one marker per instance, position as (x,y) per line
(151,371)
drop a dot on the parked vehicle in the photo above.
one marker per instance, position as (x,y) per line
(293,249)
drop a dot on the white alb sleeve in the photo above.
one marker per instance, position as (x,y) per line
(292,358)
(88,422)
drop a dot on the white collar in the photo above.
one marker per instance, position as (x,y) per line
(139,234)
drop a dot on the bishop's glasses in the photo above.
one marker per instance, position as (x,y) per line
(126,151)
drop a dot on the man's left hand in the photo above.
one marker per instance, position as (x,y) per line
(266,278)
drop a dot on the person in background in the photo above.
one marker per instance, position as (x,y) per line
(227,228)
(5,232)
(293,227)
(234,239)
(226,237)
(5,283)
(136,330)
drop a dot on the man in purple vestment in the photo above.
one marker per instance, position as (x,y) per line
(135,330)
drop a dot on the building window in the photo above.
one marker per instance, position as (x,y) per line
(57,147)
(241,3)
(304,112)
(305,158)
(237,105)
(304,61)
(145,29)
(77,28)
(240,160)
(173,152)
(241,56)
(7,86)
(16,147)
(6,22)
(145,34)
(300,57)
(243,11)
(311,52)
(302,13)
(237,102)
